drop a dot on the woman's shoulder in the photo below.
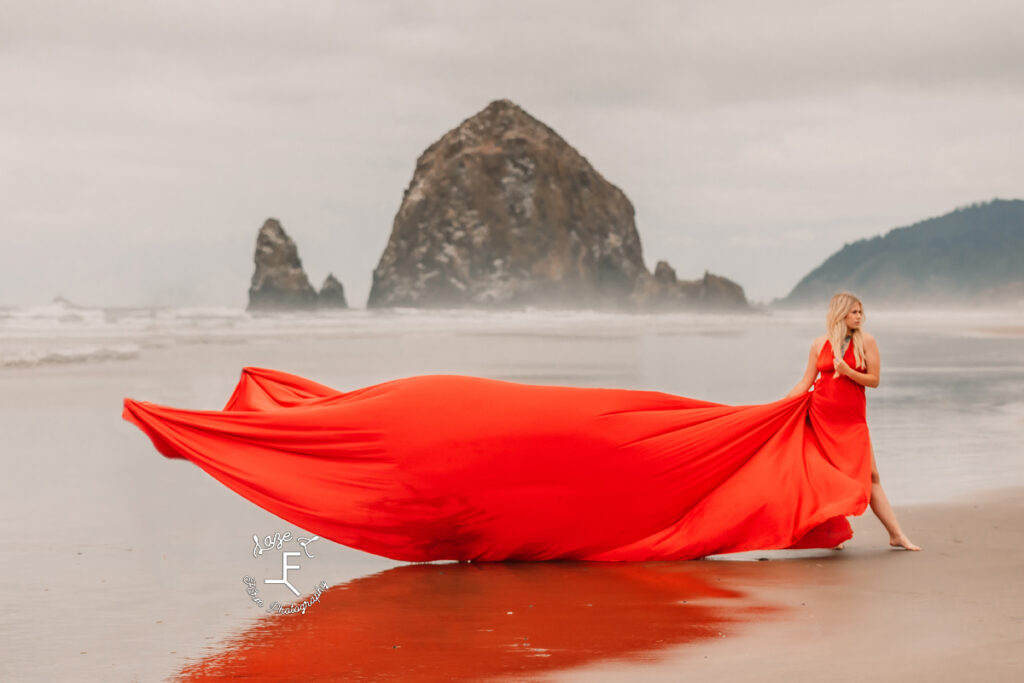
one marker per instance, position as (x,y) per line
(868,338)
(819,343)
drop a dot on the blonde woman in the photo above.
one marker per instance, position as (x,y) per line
(844,361)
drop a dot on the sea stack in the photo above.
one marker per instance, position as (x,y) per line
(502,211)
(332,294)
(665,291)
(279,282)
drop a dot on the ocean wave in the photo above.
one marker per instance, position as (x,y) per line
(81,354)
(62,332)
(69,320)
(50,316)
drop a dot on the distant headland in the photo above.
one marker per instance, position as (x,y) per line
(971,256)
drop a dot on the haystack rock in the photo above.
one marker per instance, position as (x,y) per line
(279,283)
(502,212)
(332,294)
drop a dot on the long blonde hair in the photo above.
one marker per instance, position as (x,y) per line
(835,325)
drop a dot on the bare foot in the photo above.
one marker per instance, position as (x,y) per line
(902,541)
(839,547)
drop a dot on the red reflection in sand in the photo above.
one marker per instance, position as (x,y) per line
(470,621)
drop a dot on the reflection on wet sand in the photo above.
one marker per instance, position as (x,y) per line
(471,621)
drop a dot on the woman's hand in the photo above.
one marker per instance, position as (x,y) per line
(872,361)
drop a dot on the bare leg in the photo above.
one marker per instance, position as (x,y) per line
(883,510)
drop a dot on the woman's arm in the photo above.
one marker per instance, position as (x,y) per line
(870,376)
(809,374)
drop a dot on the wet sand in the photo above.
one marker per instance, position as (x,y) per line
(952,612)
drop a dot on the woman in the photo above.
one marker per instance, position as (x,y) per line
(843,385)
(445,467)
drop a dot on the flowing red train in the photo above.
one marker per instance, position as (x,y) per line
(445,467)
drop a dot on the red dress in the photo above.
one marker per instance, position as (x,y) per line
(446,467)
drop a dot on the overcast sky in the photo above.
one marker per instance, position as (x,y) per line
(143,144)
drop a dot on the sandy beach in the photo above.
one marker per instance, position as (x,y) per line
(952,612)
(123,565)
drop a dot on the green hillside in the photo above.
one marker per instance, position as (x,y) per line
(972,256)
